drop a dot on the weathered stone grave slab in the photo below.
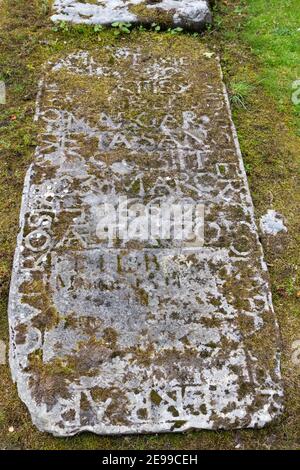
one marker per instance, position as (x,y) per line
(129,335)
(191,14)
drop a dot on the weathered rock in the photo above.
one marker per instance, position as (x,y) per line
(2,353)
(274,233)
(191,14)
(272,223)
(124,335)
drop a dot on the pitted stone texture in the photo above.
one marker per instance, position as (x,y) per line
(191,14)
(140,337)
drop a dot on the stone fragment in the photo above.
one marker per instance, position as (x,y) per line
(139,331)
(2,352)
(190,14)
(272,223)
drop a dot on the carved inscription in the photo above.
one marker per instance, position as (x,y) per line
(139,335)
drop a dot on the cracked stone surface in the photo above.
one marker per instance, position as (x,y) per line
(133,336)
(191,14)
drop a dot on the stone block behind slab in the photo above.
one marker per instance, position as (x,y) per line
(116,335)
(190,14)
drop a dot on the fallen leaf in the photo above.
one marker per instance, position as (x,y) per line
(208,54)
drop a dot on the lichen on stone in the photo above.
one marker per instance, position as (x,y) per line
(129,336)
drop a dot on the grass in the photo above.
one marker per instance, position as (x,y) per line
(259,45)
(273,33)
(239,93)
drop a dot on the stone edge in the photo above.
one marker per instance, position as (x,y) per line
(189,25)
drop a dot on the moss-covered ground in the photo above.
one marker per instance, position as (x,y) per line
(259,45)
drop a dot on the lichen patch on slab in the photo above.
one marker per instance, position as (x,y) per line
(140,336)
(191,14)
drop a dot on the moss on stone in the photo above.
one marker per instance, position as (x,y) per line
(48,381)
(38,296)
(155,397)
(155,15)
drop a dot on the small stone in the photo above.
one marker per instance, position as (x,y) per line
(2,352)
(272,223)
